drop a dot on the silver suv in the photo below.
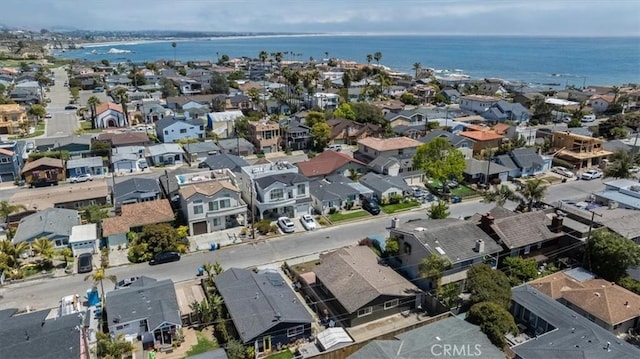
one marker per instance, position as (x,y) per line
(81,178)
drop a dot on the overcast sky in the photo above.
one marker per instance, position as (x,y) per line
(472,17)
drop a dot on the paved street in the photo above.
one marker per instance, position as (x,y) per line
(63,122)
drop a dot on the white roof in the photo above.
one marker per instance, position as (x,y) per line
(82,233)
(333,336)
(224,116)
(560,102)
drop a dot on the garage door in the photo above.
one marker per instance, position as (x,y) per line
(199,228)
(4,130)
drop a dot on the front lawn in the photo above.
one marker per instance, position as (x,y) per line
(337,217)
(402,206)
(463,191)
(285,354)
(204,344)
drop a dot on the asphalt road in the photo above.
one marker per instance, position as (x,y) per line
(63,122)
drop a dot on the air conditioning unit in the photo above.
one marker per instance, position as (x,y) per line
(613,204)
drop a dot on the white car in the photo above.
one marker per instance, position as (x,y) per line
(591,174)
(308,222)
(634,169)
(286,225)
(562,171)
(81,178)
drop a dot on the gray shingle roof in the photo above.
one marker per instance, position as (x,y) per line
(285,178)
(480,167)
(133,185)
(30,336)
(574,336)
(526,157)
(50,223)
(201,147)
(453,139)
(455,237)
(419,342)
(523,229)
(382,183)
(85,162)
(255,300)
(225,160)
(355,278)
(164,148)
(506,161)
(169,120)
(148,299)
(332,190)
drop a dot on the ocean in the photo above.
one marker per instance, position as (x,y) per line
(535,60)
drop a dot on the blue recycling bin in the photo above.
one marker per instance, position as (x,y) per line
(200,271)
(213,246)
(456,199)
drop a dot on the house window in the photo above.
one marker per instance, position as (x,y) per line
(184,130)
(5,160)
(302,190)
(166,132)
(213,206)
(295,331)
(267,135)
(407,248)
(197,207)
(391,304)
(225,203)
(527,249)
(365,311)
(277,194)
(216,222)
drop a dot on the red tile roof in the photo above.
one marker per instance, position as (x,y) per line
(108,106)
(325,163)
(389,144)
(481,135)
(138,214)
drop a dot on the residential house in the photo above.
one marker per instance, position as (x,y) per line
(223,160)
(11,160)
(237,146)
(239,102)
(492,87)
(76,145)
(452,95)
(503,111)
(384,187)
(170,129)
(132,218)
(35,334)
(527,133)
(477,103)
(582,152)
(45,171)
(135,190)
(484,172)
(116,139)
(620,193)
(551,330)
(463,243)
(390,156)
(26,93)
(348,132)
(167,154)
(109,114)
(462,144)
(336,192)
(329,163)
(357,288)
(416,118)
(600,103)
(199,151)
(52,223)
(297,136)
(484,138)
(537,234)
(524,162)
(125,162)
(70,197)
(212,205)
(265,311)
(323,100)
(146,306)
(84,239)
(282,194)
(434,339)
(610,306)
(186,102)
(265,136)
(223,124)
(89,165)
(12,116)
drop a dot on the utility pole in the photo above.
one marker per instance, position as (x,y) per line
(489,155)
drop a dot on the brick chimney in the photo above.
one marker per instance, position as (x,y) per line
(486,221)
(556,223)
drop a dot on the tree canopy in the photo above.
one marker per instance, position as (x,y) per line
(432,267)
(367,113)
(440,160)
(494,321)
(321,133)
(520,270)
(611,255)
(486,284)
(155,238)
(438,210)
(345,111)
(219,84)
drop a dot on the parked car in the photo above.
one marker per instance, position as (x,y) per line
(165,257)
(308,222)
(81,178)
(588,118)
(143,164)
(370,206)
(98,90)
(562,171)
(30,146)
(124,283)
(85,263)
(286,225)
(336,148)
(634,169)
(71,107)
(417,192)
(591,174)
(48,115)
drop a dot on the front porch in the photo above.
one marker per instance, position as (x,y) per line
(219,220)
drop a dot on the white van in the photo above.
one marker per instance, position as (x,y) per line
(588,118)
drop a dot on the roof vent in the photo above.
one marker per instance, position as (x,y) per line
(596,294)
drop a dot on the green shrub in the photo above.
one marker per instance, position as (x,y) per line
(333,210)
(264,226)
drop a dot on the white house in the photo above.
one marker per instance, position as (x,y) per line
(477,103)
(223,123)
(84,239)
(324,100)
(170,129)
(600,103)
(110,114)
(166,154)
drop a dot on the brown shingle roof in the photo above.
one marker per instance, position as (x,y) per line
(108,106)
(44,161)
(6,152)
(524,229)
(124,138)
(138,214)
(325,163)
(389,144)
(207,188)
(487,135)
(554,285)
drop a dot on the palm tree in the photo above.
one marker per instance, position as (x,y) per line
(122,96)
(65,253)
(173,44)
(616,93)
(377,56)
(112,347)
(13,252)
(532,192)
(278,57)
(7,208)
(621,165)
(44,247)
(416,67)
(98,277)
(217,268)
(93,102)
(263,56)
(369,59)
(500,195)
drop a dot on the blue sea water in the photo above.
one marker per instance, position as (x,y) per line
(537,60)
